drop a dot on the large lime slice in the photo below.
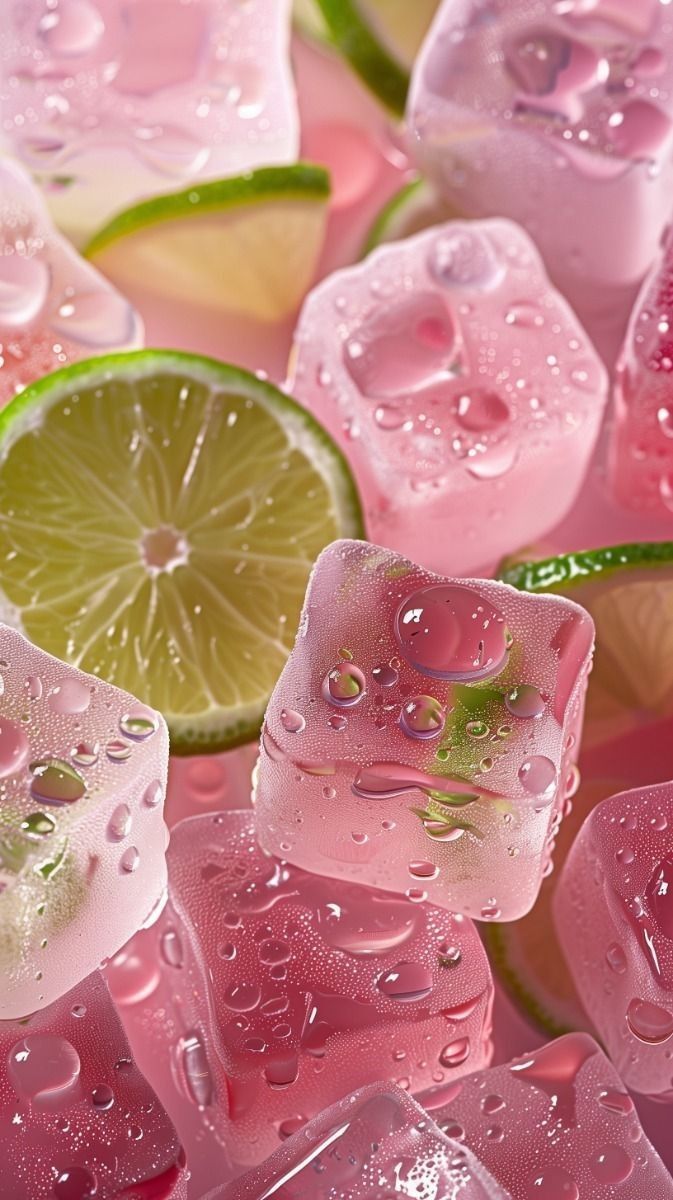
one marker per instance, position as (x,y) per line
(247,246)
(629,592)
(159,516)
(380,39)
(415,207)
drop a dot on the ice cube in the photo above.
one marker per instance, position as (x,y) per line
(423,734)
(558,114)
(82,838)
(371,1145)
(641,454)
(459,384)
(289,990)
(108,102)
(54,307)
(79,1120)
(557,1124)
(614,917)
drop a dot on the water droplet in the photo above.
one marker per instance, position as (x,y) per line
(407,981)
(616,958)
(130,860)
(338,724)
(525,316)
(538,776)
(648,1022)
(492,1104)
(477,729)
(78,1011)
(38,825)
(154,794)
(465,258)
(119,825)
(611,1164)
(118,751)
(227,950)
(423,870)
(272,951)
(282,1071)
(69,695)
(242,997)
(85,754)
(616,1102)
(75,1183)
(404,348)
(451,632)
(74,27)
(625,856)
(14,747)
(171,948)
(292,721)
(344,685)
(550,1183)
(139,723)
(481,411)
(659,823)
(44,1069)
(34,687)
(449,956)
(422,717)
(102,1097)
(665,420)
(659,896)
(56,782)
(525,702)
(196,1070)
(385,675)
(455,1053)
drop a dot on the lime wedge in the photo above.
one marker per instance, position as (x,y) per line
(415,207)
(380,39)
(308,20)
(246,246)
(159,516)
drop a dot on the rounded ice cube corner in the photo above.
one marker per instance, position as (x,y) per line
(423,735)
(460,385)
(613,912)
(82,839)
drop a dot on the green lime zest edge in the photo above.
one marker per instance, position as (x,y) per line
(382,223)
(302,181)
(565,571)
(378,70)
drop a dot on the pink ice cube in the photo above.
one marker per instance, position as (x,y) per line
(641,459)
(463,391)
(423,734)
(111,101)
(614,915)
(373,1145)
(78,1119)
(558,114)
(54,307)
(556,1124)
(289,990)
(82,838)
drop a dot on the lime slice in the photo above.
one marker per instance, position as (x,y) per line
(415,207)
(246,246)
(160,514)
(309,20)
(380,39)
(629,592)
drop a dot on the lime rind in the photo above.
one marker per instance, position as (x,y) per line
(303,181)
(497,941)
(216,728)
(368,58)
(393,213)
(564,571)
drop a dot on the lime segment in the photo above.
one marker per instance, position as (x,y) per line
(160,516)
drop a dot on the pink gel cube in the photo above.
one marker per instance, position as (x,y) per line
(460,385)
(78,1119)
(55,308)
(423,734)
(289,990)
(374,1145)
(82,837)
(558,114)
(111,101)
(614,916)
(556,1124)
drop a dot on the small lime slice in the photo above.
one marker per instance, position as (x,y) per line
(629,592)
(159,516)
(309,21)
(380,39)
(247,246)
(415,207)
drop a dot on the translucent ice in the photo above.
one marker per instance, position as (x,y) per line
(459,384)
(108,102)
(82,839)
(558,114)
(78,1119)
(54,307)
(557,1124)
(642,440)
(614,915)
(373,1145)
(289,990)
(423,734)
